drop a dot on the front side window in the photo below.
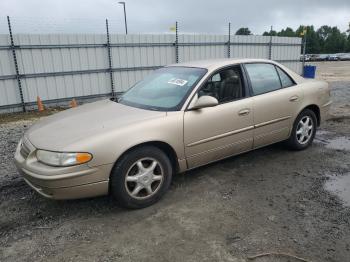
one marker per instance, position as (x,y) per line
(286,81)
(263,78)
(164,90)
(225,86)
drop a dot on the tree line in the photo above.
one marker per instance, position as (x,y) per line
(324,40)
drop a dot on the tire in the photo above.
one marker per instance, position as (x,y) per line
(141,177)
(295,140)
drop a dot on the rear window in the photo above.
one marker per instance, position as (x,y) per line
(285,79)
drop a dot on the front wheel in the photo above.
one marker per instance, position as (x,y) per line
(304,130)
(141,177)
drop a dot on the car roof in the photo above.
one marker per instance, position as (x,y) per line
(215,63)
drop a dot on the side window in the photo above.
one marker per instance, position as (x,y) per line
(263,78)
(285,79)
(225,86)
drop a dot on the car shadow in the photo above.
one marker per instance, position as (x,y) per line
(231,162)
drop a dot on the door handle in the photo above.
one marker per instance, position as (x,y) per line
(244,112)
(294,98)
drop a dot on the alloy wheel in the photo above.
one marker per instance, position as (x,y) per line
(305,130)
(144,178)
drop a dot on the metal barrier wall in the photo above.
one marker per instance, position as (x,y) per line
(58,67)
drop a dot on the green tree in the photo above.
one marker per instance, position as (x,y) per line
(347,49)
(312,40)
(287,32)
(325,40)
(284,32)
(273,33)
(323,34)
(243,31)
(332,40)
(336,42)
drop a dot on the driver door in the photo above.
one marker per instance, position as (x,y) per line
(217,132)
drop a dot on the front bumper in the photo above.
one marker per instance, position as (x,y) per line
(73,182)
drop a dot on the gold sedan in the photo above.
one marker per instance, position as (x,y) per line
(180,117)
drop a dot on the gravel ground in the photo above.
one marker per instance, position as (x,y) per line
(338,75)
(332,71)
(268,200)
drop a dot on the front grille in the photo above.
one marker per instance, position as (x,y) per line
(24,151)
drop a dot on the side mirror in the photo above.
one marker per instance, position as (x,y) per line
(205,101)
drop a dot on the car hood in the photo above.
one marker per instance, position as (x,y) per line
(67,127)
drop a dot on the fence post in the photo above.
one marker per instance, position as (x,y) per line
(176,43)
(270,44)
(110,60)
(304,51)
(18,77)
(229,41)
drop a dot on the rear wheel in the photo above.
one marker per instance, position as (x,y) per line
(304,130)
(141,177)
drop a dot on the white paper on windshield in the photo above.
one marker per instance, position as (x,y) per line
(177,81)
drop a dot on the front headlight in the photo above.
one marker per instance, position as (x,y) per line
(62,159)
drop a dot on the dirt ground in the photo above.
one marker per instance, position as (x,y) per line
(332,71)
(269,200)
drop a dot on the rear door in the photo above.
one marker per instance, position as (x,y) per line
(276,100)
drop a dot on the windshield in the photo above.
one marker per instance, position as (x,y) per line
(165,89)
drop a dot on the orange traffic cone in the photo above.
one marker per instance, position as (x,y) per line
(40,104)
(73,103)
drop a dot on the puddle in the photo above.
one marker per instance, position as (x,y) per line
(339,143)
(322,136)
(322,133)
(340,186)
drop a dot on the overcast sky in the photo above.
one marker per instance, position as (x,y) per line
(145,16)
